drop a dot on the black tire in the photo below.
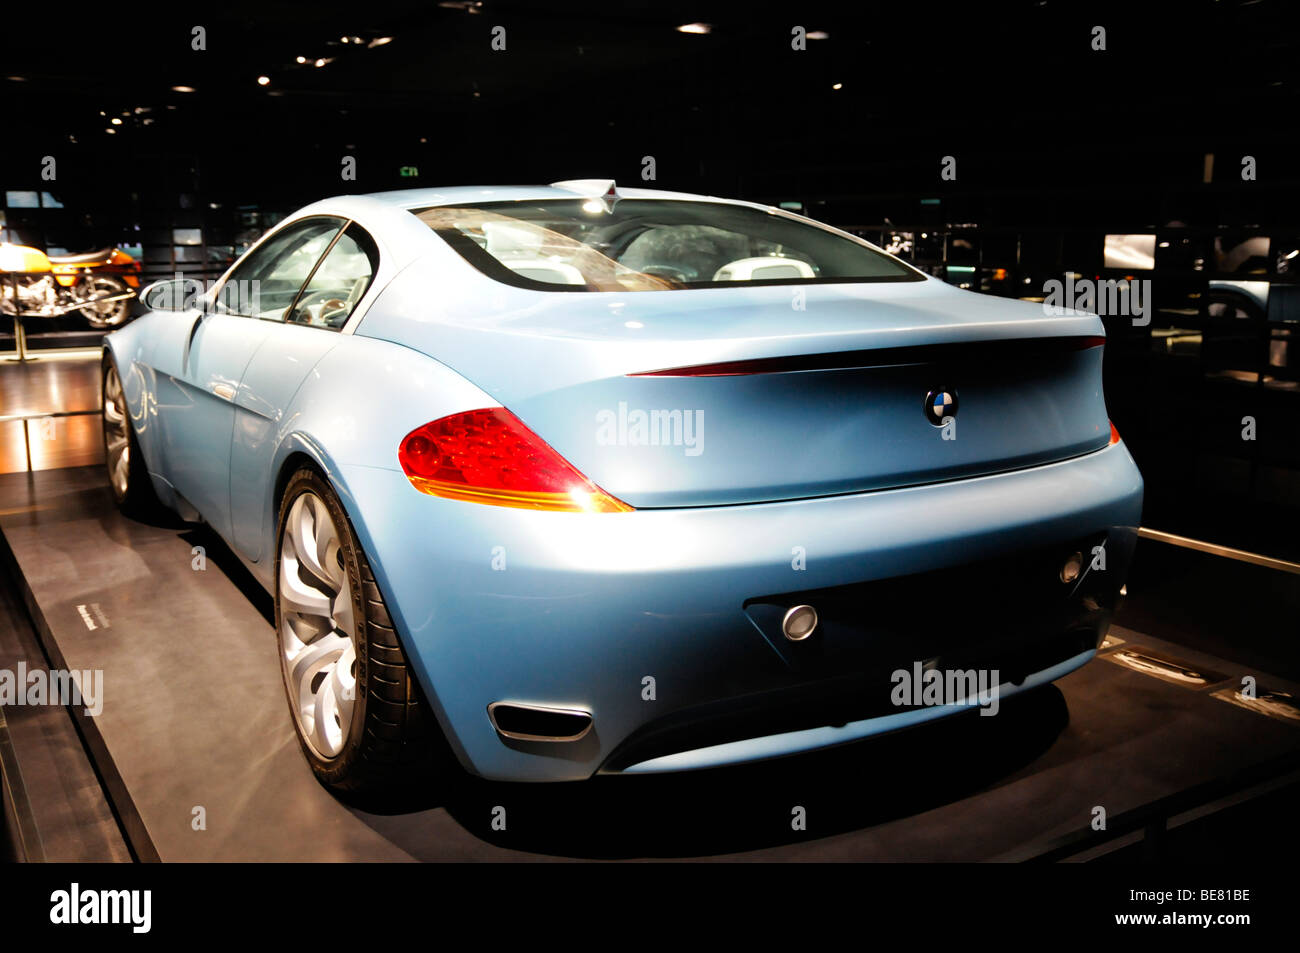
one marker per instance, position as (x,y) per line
(137,498)
(394,738)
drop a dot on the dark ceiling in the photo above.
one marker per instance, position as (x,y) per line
(1013,90)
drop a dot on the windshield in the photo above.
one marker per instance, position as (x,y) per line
(652,245)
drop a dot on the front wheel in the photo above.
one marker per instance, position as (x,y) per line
(127,475)
(356,706)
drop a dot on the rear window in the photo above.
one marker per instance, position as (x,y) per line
(652,245)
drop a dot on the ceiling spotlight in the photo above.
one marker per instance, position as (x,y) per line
(115,121)
(321,62)
(379,41)
(838,86)
(819,35)
(301,59)
(695,28)
(182,89)
(263,81)
(111,131)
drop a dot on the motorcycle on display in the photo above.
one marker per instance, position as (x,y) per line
(99,284)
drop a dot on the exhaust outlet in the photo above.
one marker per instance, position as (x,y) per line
(538,723)
(1072,568)
(799,623)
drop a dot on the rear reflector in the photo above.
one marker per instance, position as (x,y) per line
(489,456)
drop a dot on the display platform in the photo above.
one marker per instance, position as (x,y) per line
(194,725)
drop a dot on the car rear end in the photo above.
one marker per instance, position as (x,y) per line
(928,474)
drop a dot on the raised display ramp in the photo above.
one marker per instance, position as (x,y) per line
(194,723)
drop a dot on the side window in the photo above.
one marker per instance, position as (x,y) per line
(339,283)
(267,281)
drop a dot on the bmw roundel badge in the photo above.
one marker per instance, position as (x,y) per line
(940,404)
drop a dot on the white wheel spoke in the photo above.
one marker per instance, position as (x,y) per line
(320,654)
(297,596)
(307,528)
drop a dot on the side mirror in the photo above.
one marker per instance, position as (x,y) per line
(173,294)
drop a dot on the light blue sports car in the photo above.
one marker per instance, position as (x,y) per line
(558,480)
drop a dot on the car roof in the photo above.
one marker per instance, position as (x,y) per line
(454,195)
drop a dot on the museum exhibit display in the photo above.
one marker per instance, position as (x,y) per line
(543,432)
(323,355)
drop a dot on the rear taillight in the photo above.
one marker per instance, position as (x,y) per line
(489,456)
(1114,434)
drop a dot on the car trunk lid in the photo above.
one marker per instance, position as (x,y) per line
(759,394)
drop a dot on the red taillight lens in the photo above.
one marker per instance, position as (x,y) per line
(489,456)
(1114,434)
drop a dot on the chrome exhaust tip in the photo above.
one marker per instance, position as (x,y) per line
(800,622)
(538,723)
(1072,568)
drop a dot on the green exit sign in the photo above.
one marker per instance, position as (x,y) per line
(409,172)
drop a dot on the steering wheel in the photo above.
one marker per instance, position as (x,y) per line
(321,308)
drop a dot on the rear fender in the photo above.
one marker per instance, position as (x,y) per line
(354,409)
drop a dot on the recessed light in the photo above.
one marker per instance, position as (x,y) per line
(700,28)
(182,89)
(263,81)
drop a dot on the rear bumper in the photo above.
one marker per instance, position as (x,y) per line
(653,622)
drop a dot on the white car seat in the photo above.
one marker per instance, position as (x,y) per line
(764,268)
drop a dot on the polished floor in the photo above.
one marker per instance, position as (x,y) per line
(37,389)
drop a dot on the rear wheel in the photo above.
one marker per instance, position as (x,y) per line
(356,706)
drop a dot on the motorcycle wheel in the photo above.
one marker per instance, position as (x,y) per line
(110,313)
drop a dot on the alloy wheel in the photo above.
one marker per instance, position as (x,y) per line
(117,442)
(317,626)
